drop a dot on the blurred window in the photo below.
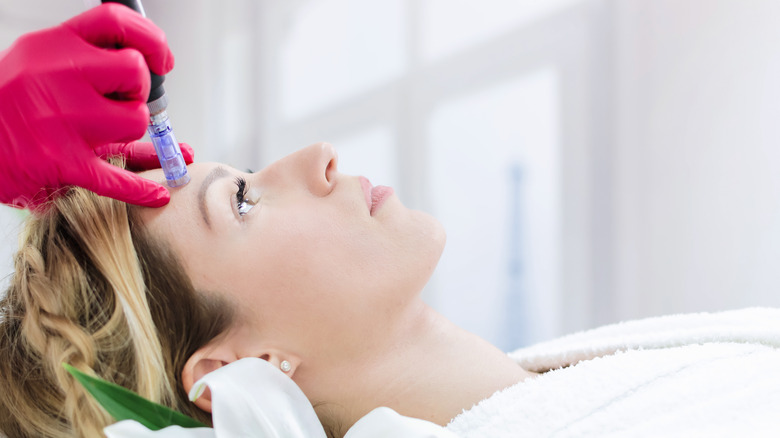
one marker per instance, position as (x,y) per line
(494,176)
(452,25)
(336,49)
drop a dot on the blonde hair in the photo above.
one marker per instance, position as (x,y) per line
(92,289)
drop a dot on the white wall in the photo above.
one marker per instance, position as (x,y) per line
(698,155)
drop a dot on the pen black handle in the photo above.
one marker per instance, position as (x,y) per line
(157,89)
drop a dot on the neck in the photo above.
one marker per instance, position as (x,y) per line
(431,370)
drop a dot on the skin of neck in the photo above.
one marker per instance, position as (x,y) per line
(427,368)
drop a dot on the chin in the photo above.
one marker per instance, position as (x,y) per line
(422,239)
(432,239)
(438,238)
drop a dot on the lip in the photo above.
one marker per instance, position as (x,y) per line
(375,196)
(367,187)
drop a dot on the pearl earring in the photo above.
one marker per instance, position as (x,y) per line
(285,366)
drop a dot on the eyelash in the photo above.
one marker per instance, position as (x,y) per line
(241,200)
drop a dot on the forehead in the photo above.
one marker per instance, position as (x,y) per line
(180,218)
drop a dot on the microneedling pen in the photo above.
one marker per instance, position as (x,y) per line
(165,144)
(160,131)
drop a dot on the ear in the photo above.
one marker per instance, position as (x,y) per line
(212,357)
(205,360)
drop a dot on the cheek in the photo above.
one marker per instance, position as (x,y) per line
(313,252)
(337,250)
(302,265)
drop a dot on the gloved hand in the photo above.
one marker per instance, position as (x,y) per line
(66,94)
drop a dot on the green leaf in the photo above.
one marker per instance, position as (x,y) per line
(123,404)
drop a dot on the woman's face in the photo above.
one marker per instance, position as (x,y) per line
(309,264)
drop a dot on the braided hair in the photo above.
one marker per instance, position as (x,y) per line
(92,289)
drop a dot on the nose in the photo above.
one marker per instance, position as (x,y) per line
(320,162)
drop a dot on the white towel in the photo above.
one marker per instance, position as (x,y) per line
(674,376)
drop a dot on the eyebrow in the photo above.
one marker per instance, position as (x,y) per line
(215,174)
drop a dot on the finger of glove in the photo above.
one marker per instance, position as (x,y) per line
(187,152)
(140,155)
(110,121)
(112,24)
(122,73)
(108,180)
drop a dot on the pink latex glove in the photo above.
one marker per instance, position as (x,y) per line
(67,95)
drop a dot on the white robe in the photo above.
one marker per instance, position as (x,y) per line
(703,375)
